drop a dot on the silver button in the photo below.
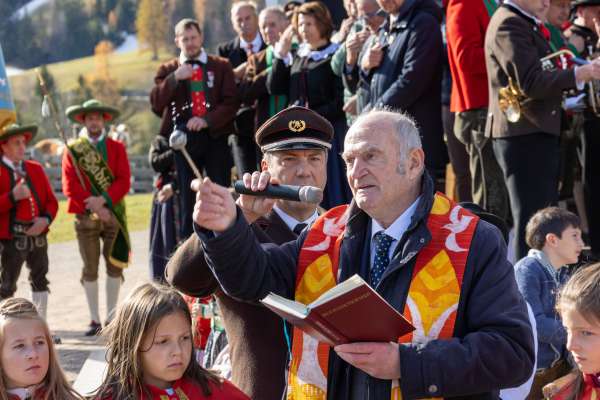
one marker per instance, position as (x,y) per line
(422,240)
(553,112)
(432,389)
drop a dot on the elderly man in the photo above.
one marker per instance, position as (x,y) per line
(395,234)
(256,336)
(253,88)
(244,19)
(95,178)
(345,60)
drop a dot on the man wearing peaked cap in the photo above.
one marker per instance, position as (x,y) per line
(295,143)
(95,184)
(28,208)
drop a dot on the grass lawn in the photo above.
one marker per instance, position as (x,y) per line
(138,218)
(132,71)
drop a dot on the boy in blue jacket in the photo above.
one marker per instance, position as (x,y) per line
(554,236)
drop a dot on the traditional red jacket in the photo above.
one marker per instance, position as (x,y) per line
(42,202)
(183,389)
(466,24)
(118,164)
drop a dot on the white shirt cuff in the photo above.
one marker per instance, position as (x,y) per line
(287,58)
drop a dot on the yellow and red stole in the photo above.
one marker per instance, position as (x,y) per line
(432,300)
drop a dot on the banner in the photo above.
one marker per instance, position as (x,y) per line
(8,114)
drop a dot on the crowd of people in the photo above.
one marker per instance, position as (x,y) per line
(496,276)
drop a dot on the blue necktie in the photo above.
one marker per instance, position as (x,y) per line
(382,247)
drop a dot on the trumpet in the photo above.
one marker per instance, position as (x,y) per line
(512,99)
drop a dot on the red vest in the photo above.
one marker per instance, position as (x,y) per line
(41,203)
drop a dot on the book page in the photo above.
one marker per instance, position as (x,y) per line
(348,285)
(286,305)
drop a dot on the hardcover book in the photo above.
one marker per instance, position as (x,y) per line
(349,312)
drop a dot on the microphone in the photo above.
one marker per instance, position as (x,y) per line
(304,194)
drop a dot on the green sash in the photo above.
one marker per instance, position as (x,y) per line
(276,102)
(557,40)
(92,161)
(491,6)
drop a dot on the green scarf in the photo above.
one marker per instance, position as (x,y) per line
(276,102)
(93,161)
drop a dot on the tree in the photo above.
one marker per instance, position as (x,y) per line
(152,24)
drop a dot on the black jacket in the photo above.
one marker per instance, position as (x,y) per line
(493,344)
(410,75)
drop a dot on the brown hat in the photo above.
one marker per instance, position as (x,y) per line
(28,131)
(295,128)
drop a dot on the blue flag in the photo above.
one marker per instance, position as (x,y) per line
(8,114)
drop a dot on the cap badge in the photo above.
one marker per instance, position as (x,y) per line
(297,125)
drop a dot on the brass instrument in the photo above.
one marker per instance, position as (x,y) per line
(512,99)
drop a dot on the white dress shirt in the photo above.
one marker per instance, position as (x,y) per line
(291,222)
(256,44)
(395,230)
(202,57)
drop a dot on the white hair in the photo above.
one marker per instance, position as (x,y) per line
(277,10)
(407,133)
(244,3)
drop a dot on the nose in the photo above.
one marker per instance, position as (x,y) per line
(356,170)
(572,343)
(32,353)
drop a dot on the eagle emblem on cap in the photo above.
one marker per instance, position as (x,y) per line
(297,125)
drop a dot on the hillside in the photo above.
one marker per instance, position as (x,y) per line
(133,71)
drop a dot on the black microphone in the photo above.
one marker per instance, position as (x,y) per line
(304,194)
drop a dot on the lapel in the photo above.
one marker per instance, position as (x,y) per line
(273,226)
(238,55)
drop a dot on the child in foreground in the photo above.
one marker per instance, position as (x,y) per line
(150,352)
(579,308)
(29,367)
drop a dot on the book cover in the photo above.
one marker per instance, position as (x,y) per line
(349,312)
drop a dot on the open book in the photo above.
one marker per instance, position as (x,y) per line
(349,312)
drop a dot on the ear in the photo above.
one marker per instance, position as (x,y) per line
(263,165)
(551,239)
(415,163)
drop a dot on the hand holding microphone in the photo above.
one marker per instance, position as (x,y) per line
(259,192)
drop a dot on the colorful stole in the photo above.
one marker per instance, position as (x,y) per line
(198,90)
(432,300)
(491,6)
(92,161)
(276,102)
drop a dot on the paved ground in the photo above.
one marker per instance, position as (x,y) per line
(68,314)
